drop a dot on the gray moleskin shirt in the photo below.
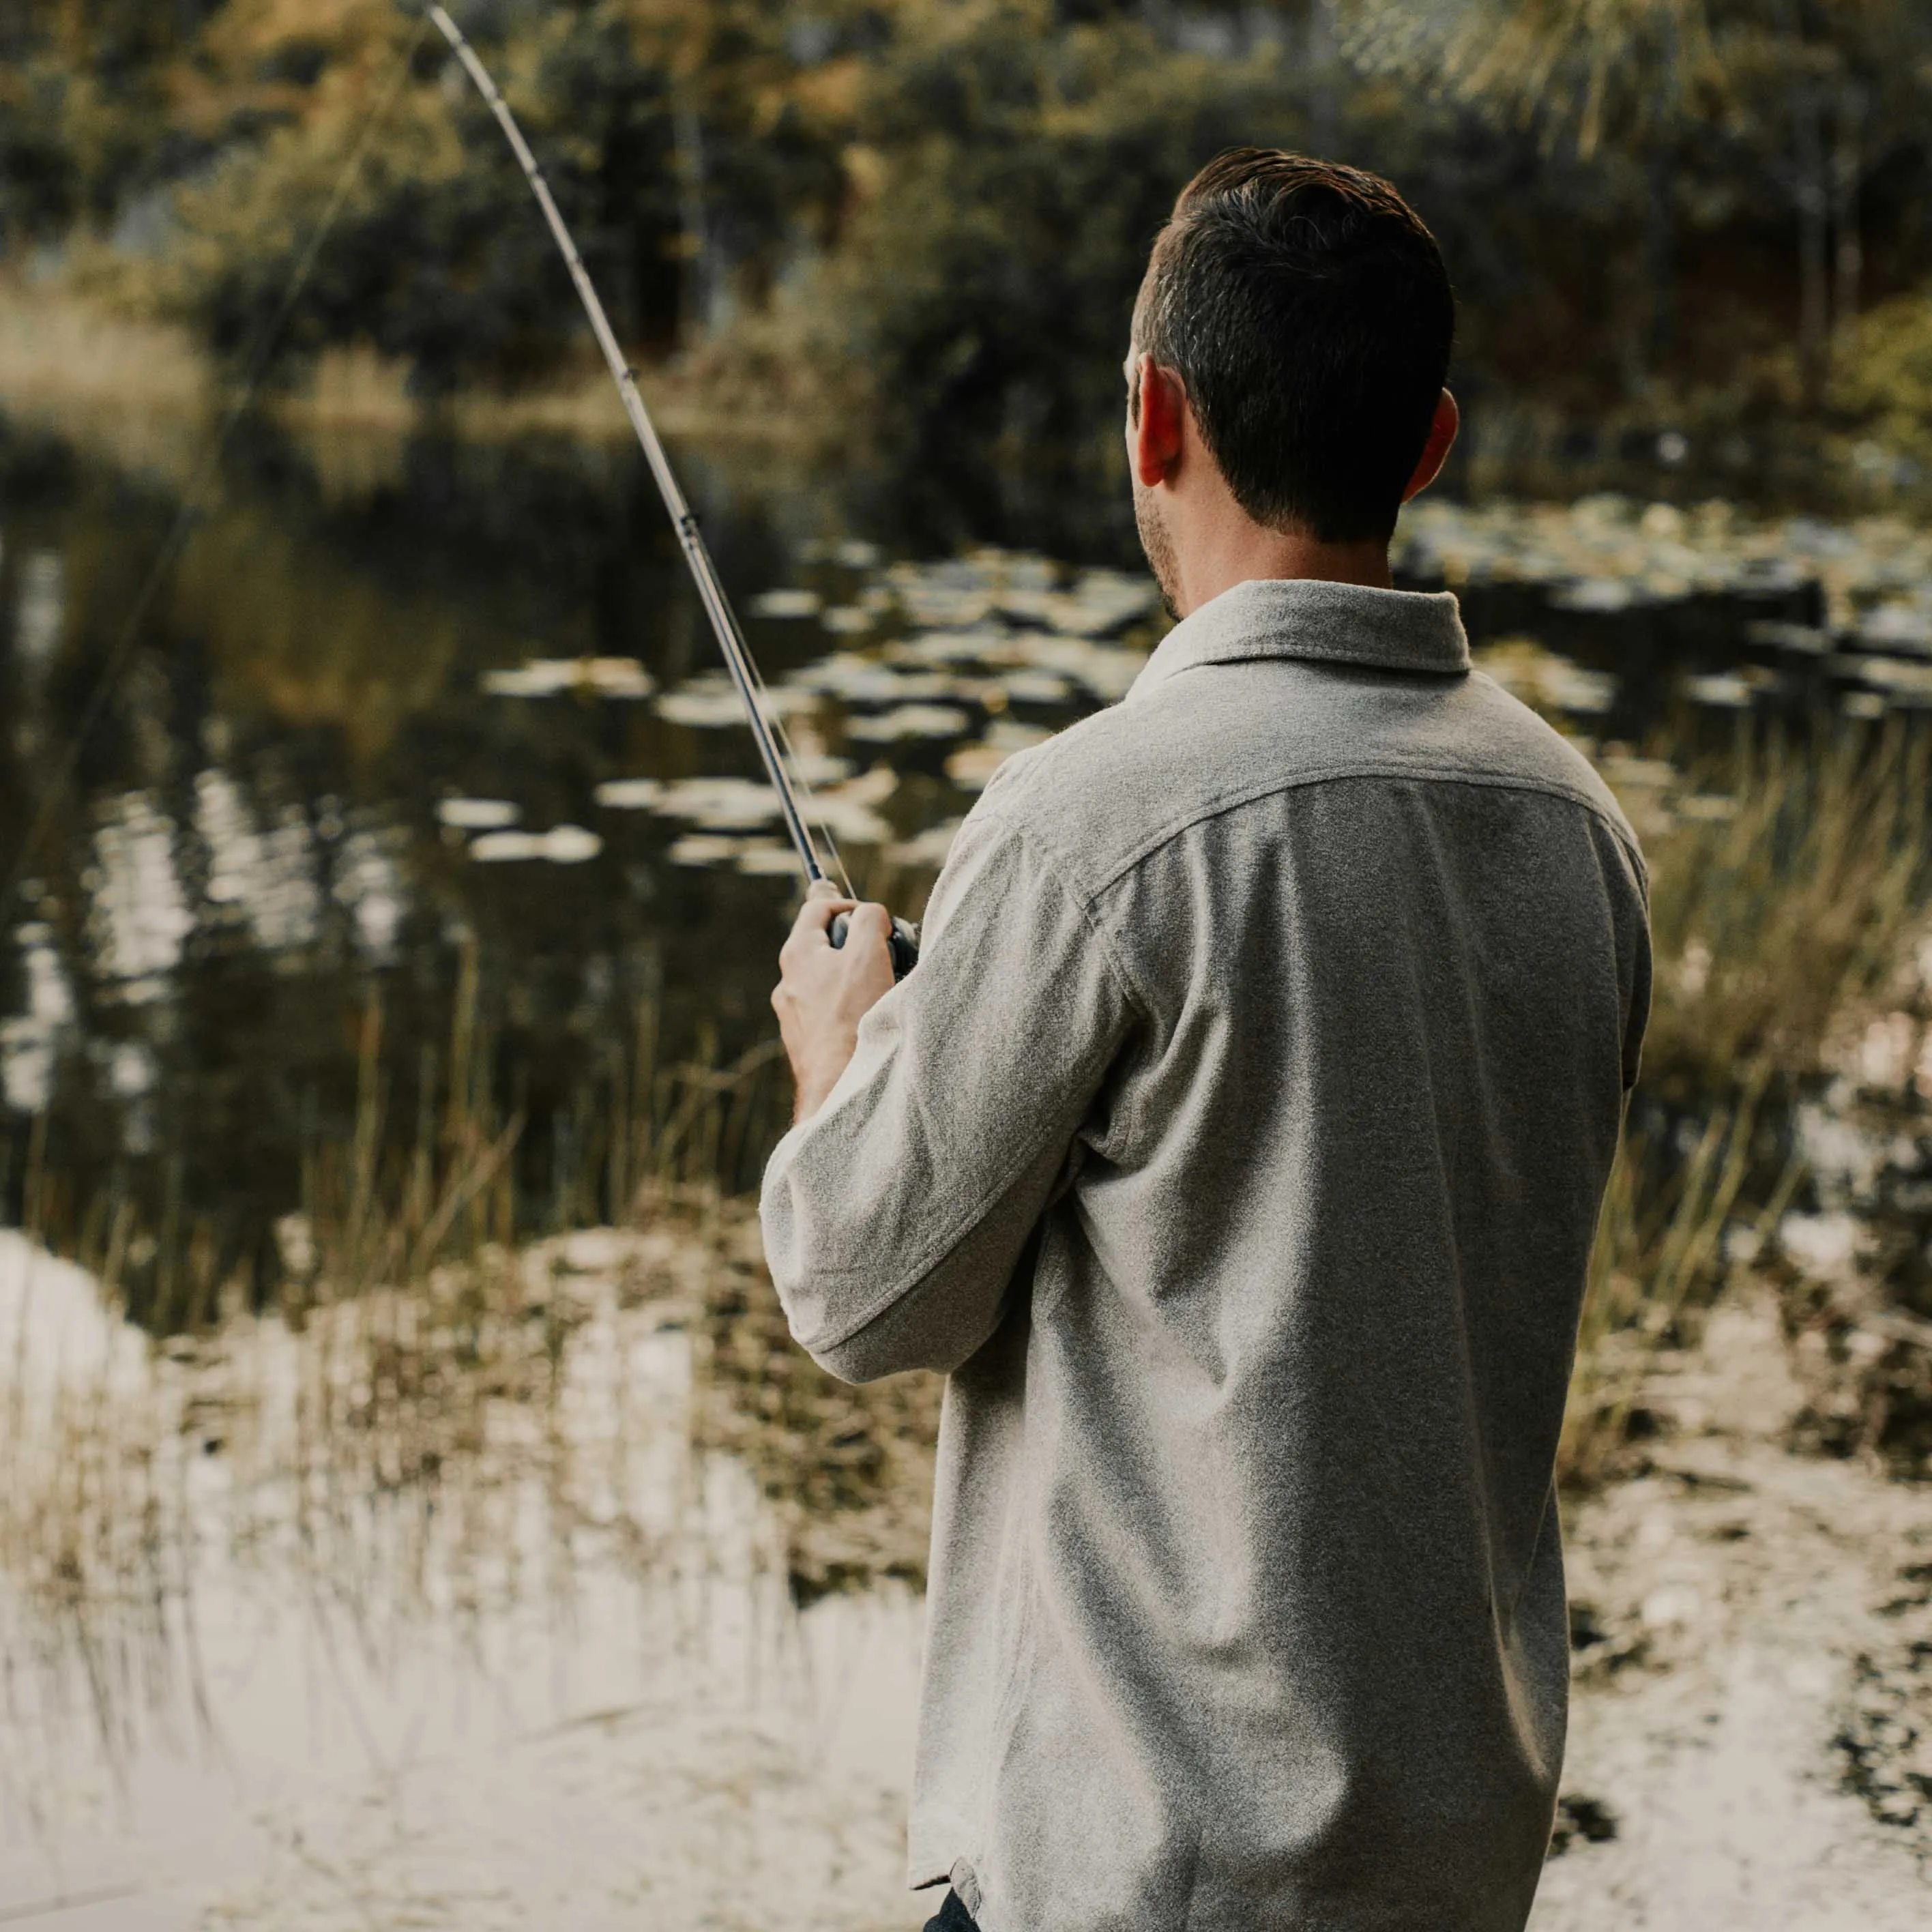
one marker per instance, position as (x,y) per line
(1235,1148)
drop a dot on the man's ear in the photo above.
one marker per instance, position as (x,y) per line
(1435,452)
(1161,431)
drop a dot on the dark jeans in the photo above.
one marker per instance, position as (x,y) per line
(952,1917)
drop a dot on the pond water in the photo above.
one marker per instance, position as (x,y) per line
(417,784)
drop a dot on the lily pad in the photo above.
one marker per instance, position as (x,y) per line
(478,814)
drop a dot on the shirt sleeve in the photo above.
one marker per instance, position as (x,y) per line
(895,1217)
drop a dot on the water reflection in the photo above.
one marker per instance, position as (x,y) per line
(456,733)
(266,829)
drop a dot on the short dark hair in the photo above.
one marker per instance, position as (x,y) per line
(1307,309)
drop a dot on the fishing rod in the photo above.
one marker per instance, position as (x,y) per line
(766,734)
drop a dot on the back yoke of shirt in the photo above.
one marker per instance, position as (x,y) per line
(1237,1146)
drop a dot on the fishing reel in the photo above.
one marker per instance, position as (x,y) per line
(903,942)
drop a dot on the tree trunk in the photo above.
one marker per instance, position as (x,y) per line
(697,267)
(1813,199)
(1660,253)
(1847,168)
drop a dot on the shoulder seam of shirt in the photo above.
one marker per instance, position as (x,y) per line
(1340,773)
(1056,868)
(936,1252)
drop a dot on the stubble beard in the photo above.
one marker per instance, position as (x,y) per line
(1158,545)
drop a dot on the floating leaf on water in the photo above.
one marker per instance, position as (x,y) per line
(1096,607)
(563,845)
(910,721)
(930,847)
(617,677)
(700,848)
(972,766)
(478,814)
(820,768)
(629,794)
(1906,680)
(702,710)
(1030,606)
(848,811)
(787,604)
(1723,688)
(873,787)
(1597,593)
(850,824)
(855,679)
(1108,599)
(1036,687)
(499,847)
(766,859)
(545,677)
(1898,627)
(572,845)
(1107,670)
(719,805)
(980,645)
(1019,570)
(532,680)
(942,606)
(710,701)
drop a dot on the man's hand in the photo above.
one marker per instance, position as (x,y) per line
(822,992)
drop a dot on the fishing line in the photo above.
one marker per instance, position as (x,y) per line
(775,751)
(768,732)
(255,368)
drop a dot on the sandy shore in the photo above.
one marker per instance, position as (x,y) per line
(578,1691)
(1755,1612)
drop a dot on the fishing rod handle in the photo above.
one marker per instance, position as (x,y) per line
(903,939)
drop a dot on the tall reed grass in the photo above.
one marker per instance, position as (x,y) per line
(402,1372)
(433,1405)
(1788,897)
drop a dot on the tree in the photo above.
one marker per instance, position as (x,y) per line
(681,146)
(1811,89)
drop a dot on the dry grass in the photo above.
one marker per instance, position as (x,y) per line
(847,1471)
(59,352)
(138,393)
(1788,889)
(143,392)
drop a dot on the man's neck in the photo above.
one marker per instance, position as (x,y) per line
(1236,550)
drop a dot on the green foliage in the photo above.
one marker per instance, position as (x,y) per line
(1886,385)
(936,211)
(84,119)
(1018,175)
(659,132)
(1778,923)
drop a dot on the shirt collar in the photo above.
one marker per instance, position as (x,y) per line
(1331,623)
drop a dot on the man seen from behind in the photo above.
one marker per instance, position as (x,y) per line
(1235,1149)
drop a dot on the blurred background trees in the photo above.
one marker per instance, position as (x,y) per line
(1657,211)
